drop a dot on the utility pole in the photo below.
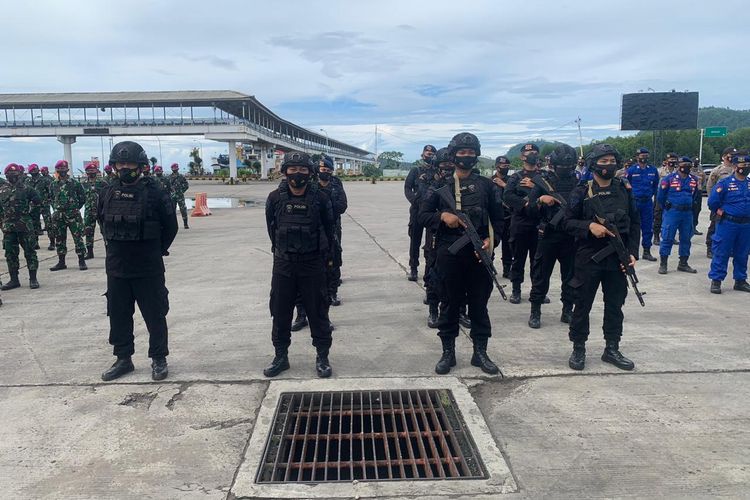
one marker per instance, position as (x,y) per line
(700,151)
(580,136)
(376,146)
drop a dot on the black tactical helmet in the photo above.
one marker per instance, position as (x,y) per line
(443,155)
(298,159)
(464,140)
(600,150)
(128,152)
(563,156)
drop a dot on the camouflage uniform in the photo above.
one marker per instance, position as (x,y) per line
(68,197)
(92,188)
(179,184)
(164,184)
(19,204)
(46,213)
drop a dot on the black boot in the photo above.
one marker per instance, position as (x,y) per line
(412,274)
(709,253)
(82,263)
(13,283)
(577,359)
(506,271)
(60,264)
(322,365)
(184,223)
(684,267)
(448,358)
(515,296)
(463,319)
(696,232)
(716,286)
(159,369)
(301,321)
(481,359)
(432,319)
(613,355)
(33,283)
(118,369)
(279,364)
(535,319)
(567,313)
(51,245)
(89,252)
(657,238)
(663,264)
(335,301)
(741,286)
(647,255)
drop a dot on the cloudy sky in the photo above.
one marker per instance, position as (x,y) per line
(422,71)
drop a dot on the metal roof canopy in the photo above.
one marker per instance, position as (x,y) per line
(232,102)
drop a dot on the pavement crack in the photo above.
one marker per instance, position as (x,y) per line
(177,396)
(381,247)
(223,424)
(139,399)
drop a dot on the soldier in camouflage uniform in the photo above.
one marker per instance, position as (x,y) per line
(161,181)
(46,201)
(92,185)
(109,174)
(19,204)
(179,185)
(68,197)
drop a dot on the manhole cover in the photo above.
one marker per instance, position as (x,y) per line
(368,436)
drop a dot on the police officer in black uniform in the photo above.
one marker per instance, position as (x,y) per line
(138,222)
(611,198)
(300,222)
(524,221)
(415,187)
(554,243)
(500,178)
(462,276)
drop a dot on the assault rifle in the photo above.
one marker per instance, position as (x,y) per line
(470,236)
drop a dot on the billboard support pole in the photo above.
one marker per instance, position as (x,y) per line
(700,149)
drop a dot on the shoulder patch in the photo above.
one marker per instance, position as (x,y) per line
(718,189)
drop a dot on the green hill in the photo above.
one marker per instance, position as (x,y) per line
(545,148)
(723,117)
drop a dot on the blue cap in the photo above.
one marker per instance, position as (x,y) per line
(327,161)
(685,159)
(642,151)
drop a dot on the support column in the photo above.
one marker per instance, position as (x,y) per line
(67,142)
(232,161)
(263,162)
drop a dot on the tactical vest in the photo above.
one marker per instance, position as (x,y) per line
(615,203)
(298,231)
(128,215)
(473,201)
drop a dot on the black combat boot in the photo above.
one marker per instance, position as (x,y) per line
(424,300)
(82,263)
(60,264)
(657,238)
(279,364)
(709,253)
(545,300)
(51,245)
(515,295)
(696,232)
(33,283)
(741,286)
(13,283)
(685,267)
(36,245)
(663,264)
(412,274)
(118,369)
(481,359)
(567,313)
(322,365)
(463,318)
(535,319)
(159,369)
(432,319)
(577,359)
(448,358)
(647,255)
(301,321)
(335,301)
(89,252)
(506,271)
(184,223)
(716,286)
(613,355)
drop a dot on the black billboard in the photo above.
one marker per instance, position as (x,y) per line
(659,111)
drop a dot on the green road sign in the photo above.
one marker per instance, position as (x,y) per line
(715,132)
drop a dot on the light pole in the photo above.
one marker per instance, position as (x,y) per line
(328,149)
(159,141)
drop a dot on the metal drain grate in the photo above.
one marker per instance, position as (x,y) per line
(368,435)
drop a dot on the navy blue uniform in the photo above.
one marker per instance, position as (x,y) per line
(645,182)
(732,236)
(676,196)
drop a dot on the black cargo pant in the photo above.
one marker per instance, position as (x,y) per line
(431,280)
(463,280)
(711,230)
(415,236)
(588,277)
(658,212)
(505,246)
(151,294)
(553,247)
(333,270)
(523,240)
(697,207)
(304,282)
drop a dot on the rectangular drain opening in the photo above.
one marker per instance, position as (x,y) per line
(368,436)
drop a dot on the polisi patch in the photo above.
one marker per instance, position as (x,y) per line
(121,195)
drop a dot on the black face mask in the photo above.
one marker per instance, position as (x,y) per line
(298,180)
(685,170)
(325,176)
(563,171)
(446,172)
(671,164)
(605,172)
(62,174)
(465,162)
(91,176)
(532,159)
(35,175)
(12,177)
(743,171)
(503,171)
(643,160)
(129,175)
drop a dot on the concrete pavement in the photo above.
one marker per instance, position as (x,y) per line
(676,427)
